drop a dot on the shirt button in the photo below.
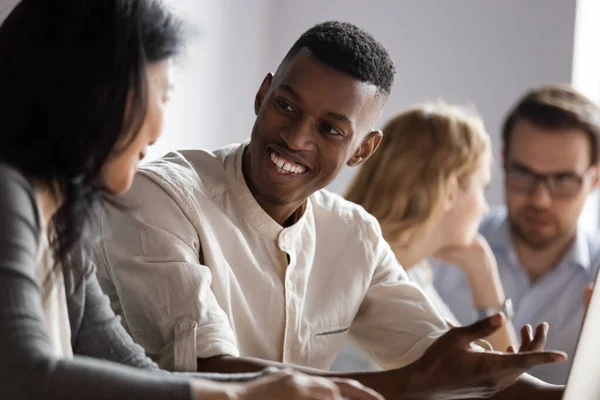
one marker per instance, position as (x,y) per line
(184,326)
(286,237)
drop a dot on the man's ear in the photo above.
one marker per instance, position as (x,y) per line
(368,146)
(262,92)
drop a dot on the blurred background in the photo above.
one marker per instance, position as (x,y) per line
(482,53)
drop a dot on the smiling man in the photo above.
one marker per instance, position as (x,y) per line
(236,259)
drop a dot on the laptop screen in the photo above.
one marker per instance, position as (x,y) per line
(584,378)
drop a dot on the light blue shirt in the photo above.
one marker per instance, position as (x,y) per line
(556,298)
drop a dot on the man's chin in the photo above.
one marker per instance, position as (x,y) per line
(537,240)
(273,198)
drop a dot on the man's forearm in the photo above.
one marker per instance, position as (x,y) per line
(228,364)
(394,384)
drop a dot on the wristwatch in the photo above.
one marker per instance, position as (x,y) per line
(506,308)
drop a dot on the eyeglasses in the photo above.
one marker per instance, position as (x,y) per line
(521,179)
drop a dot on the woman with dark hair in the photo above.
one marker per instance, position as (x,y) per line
(83,86)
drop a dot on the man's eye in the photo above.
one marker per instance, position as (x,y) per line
(285,106)
(330,130)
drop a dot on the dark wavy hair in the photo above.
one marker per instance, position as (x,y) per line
(72,84)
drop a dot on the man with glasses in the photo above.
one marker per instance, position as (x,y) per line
(545,260)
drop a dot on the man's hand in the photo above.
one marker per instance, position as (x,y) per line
(457,370)
(529,342)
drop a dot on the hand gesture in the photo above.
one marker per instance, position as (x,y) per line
(460,371)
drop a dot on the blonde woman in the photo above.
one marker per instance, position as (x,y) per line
(425,185)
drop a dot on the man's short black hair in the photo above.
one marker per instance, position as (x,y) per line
(349,49)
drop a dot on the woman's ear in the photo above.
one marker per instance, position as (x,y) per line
(451,193)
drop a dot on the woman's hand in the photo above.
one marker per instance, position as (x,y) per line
(288,385)
(470,258)
(479,265)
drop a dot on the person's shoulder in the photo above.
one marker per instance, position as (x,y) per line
(20,221)
(11,177)
(350,225)
(493,221)
(209,166)
(186,167)
(339,213)
(593,242)
(593,238)
(8,171)
(187,173)
(17,194)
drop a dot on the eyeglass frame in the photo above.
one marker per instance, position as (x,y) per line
(546,179)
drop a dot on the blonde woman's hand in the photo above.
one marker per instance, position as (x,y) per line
(479,265)
(470,258)
(296,386)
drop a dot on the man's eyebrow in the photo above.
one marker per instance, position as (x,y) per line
(525,168)
(290,90)
(340,117)
(331,114)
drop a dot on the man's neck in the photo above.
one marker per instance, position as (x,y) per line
(539,262)
(285,215)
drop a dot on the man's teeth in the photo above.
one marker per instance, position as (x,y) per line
(286,165)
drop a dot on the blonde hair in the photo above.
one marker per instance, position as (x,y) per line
(403,183)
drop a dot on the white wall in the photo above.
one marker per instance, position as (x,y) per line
(216,79)
(586,79)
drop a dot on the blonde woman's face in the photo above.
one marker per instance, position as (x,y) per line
(462,220)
